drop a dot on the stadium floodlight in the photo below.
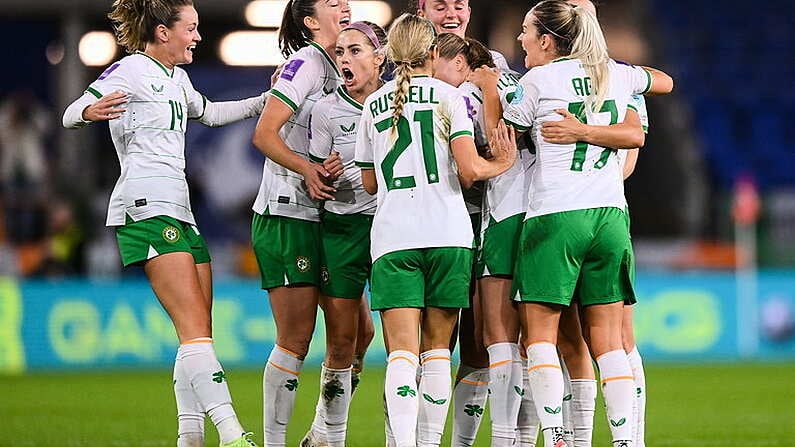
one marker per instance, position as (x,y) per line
(268,13)
(251,48)
(97,48)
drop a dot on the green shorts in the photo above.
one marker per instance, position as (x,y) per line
(497,256)
(582,254)
(631,301)
(148,238)
(345,257)
(287,250)
(425,277)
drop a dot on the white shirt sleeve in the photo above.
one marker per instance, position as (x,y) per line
(321,140)
(521,111)
(111,80)
(636,78)
(638,104)
(215,114)
(364,143)
(460,118)
(300,77)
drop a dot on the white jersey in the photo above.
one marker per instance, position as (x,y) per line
(334,126)
(506,194)
(638,104)
(419,194)
(150,138)
(308,75)
(573,176)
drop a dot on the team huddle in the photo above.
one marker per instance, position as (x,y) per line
(485,210)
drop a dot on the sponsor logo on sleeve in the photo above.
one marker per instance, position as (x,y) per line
(470,109)
(291,69)
(108,71)
(518,94)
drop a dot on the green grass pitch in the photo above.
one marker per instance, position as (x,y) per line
(710,405)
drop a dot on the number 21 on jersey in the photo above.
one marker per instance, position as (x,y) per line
(404,140)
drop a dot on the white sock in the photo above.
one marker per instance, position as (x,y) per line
(279,385)
(335,391)
(402,401)
(568,422)
(209,383)
(469,401)
(636,364)
(319,423)
(546,384)
(528,424)
(190,414)
(356,371)
(618,387)
(583,404)
(505,386)
(390,438)
(435,390)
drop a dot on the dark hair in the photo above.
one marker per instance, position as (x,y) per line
(475,53)
(134,21)
(294,34)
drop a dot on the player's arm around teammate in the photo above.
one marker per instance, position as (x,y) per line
(147,95)
(345,225)
(559,40)
(286,224)
(414,132)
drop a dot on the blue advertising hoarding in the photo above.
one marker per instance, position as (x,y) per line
(82,324)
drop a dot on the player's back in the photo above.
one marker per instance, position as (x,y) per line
(574,176)
(420,204)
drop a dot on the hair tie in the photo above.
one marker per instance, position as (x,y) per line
(367,31)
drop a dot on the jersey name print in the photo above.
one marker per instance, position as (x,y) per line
(569,177)
(420,204)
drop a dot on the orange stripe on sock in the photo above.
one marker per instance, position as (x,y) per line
(441,357)
(289,352)
(197,341)
(295,373)
(494,365)
(470,382)
(400,357)
(612,379)
(546,365)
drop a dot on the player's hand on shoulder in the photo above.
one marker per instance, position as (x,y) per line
(484,77)
(109,107)
(503,143)
(569,130)
(276,73)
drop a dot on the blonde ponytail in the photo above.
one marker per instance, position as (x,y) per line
(590,47)
(410,41)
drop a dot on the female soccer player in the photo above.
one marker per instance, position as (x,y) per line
(576,206)
(148,100)
(414,133)
(285,231)
(458,60)
(452,16)
(345,223)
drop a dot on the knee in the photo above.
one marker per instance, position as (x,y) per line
(295,342)
(365,336)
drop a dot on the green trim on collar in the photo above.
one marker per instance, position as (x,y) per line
(325,54)
(562,59)
(159,64)
(344,95)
